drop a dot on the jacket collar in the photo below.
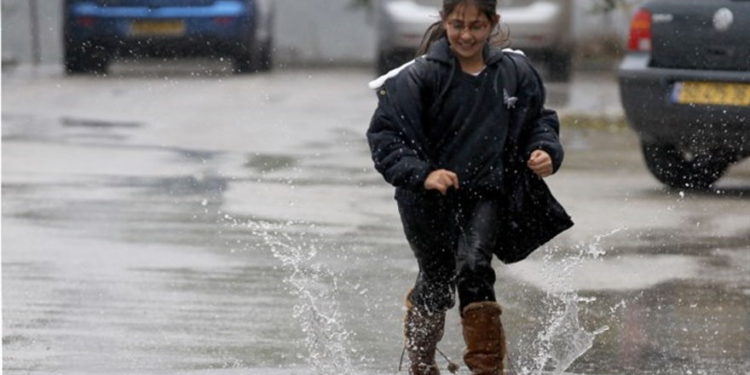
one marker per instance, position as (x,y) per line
(441,51)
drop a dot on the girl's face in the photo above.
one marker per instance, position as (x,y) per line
(468,29)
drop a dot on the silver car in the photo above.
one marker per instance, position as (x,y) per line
(541,28)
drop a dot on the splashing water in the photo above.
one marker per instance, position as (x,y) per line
(557,345)
(315,287)
(562,339)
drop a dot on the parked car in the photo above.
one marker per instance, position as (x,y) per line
(541,28)
(685,88)
(95,31)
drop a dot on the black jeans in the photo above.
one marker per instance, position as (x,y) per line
(452,238)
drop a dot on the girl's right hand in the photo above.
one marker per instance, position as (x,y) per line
(441,180)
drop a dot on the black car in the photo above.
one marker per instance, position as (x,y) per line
(685,87)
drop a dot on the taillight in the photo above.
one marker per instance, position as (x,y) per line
(223,21)
(640,31)
(86,21)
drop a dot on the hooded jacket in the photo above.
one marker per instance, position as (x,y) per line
(431,115)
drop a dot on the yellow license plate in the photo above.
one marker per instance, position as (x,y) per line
(157,28)
(712,93)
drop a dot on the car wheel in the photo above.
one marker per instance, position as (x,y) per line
(560,65)
(265,56)
(388,61)
(83,58)
(681,170)
(248,59)
(76,63)
(244,56)
(243,63)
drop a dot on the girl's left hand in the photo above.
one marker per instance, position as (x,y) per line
(540,163)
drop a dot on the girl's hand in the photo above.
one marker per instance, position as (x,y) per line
(441,180)
(540,163)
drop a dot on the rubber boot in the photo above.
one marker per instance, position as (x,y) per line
(484,337)
(422,332)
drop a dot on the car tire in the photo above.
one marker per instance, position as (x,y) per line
(388,61)
(680,170)
(248,59)
(559,65)
(243,54)
(76,64)
(265,57)
(244,63)
(85,58)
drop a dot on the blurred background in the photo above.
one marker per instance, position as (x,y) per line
(305,33)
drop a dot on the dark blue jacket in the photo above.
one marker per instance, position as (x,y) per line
(415,130)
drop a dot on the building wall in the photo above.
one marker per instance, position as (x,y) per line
(307,32)
(17,30)
(321,32)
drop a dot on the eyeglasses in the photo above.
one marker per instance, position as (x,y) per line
(474,27)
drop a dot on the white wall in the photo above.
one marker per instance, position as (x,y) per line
(316,31)
(17,35)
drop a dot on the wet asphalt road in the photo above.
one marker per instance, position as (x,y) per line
(181,220)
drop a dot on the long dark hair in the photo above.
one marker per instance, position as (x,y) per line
(500,36)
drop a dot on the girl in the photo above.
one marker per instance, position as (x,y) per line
(463,135)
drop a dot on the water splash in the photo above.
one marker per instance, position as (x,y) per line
(562,339)
(315,287)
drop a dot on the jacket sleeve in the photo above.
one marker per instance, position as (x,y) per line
(543,131)
(395,134)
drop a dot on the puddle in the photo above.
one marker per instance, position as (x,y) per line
(102,124)
(199,185)
(117,258)
(270,163)
(626,272)
(317,309)
(197,155)
(345,208)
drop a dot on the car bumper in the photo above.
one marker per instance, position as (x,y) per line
(403,25)
(224,20)
(647,96)
(541,26)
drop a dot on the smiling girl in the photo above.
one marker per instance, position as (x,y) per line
(463,135)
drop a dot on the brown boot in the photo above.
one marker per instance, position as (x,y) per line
(484,337)
(422,331)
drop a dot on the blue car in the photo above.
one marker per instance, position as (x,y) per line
(96,31)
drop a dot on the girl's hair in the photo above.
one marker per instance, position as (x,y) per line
(436,31)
